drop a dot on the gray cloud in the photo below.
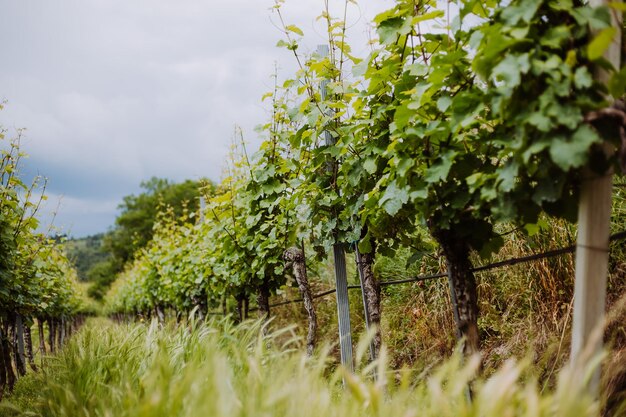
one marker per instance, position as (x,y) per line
(114,91)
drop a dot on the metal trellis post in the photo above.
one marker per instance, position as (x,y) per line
(341,276)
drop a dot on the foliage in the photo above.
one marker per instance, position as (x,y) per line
(536,60)
(135,224)
(169,272)
(84,253)
(220,370)
(454,124)
(460,122)
(36,278)
(236,249)
(101,275)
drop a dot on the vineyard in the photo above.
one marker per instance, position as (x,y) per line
(38,282)
(470,145)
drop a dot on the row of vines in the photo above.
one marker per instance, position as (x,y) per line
(38,284)
(459,121)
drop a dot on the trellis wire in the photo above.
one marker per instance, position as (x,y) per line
(509,262)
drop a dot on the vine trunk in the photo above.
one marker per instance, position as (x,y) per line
(462,284)
(296,257)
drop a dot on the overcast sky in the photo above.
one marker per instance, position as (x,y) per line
(113,92)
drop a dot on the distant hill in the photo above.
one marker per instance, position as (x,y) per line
(85,252)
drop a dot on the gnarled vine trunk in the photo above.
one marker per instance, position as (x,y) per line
(239,300)
(28,342)
(295,256)
(263,300)
(462,284)
(42,338)
(6,354)
(18,345)
(371,295)
(59,332)
(160,313)
(242,306)
(200,301)
(68,327)
(51,335)
(3,371)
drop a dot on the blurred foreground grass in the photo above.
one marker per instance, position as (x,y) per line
(218,369)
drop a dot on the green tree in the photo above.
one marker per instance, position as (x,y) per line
(101,275)
(134,225)
(84,252)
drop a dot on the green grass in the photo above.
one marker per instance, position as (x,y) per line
(221,370)
(24,397)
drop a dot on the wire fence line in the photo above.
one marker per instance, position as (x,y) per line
(495,265)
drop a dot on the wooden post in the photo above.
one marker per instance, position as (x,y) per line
(341,276)
(592,246)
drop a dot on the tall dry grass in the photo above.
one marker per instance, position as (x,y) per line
(219,370)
